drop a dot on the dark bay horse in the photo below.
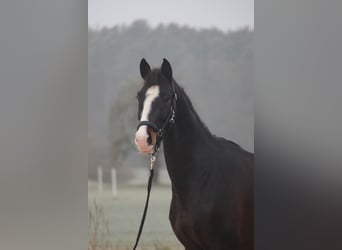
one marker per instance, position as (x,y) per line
(212,178)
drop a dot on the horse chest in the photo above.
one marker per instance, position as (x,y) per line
(190,222)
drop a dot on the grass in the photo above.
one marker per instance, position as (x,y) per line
(114,223)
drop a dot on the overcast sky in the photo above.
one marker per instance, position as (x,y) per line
(222,14)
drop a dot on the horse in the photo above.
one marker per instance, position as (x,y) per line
(211,177)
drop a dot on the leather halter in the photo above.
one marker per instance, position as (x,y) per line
(168,121)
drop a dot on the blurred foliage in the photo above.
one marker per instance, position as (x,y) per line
(122,123)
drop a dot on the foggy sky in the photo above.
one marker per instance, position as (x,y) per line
(222,14)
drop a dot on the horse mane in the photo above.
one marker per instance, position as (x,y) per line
(200,122)
(192,109)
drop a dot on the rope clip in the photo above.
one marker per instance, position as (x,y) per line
(153,160)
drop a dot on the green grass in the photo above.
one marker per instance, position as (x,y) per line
(124,214)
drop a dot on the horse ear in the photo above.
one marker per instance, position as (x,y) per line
(166,69)
(144,68)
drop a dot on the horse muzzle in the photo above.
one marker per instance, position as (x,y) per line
(145,139)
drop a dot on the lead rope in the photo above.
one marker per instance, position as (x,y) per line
(149,185)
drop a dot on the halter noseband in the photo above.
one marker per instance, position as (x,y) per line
(169,120)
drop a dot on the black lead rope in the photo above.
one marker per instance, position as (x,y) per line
(149,185)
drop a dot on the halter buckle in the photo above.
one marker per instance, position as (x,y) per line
(172,119)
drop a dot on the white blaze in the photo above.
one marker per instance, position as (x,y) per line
(151,94)
(141,135)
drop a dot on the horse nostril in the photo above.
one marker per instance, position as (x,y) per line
(149,138)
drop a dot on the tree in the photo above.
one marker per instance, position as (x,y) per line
(122,123)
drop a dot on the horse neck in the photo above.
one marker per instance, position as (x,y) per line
(181,139)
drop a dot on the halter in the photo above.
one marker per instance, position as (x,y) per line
(168,121)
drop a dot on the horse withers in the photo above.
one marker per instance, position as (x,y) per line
(211,177)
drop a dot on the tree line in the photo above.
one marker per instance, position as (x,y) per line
(214,67)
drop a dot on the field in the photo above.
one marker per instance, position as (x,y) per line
(124,214)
